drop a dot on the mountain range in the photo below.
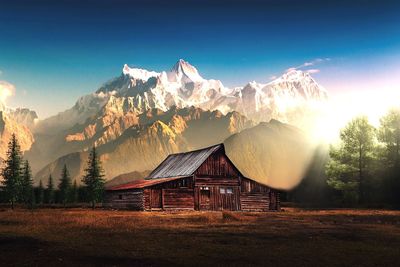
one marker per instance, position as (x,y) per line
(139,117)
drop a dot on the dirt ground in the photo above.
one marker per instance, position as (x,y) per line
(294,237)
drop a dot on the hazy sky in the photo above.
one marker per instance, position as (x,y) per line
(55,52)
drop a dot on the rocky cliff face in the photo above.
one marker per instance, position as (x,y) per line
(8,126)
(143,144)
(24,116)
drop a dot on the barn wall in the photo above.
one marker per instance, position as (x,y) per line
(254,201)
(146,198)
(216,173)
(171,195)
(217,165)
(213,199)
(178,199)
(126,199)
(258,197)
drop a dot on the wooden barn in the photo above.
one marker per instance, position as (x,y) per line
(204,179)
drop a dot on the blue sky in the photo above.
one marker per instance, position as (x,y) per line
(55,52)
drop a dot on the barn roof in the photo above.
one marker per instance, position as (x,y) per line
(142,183)
(183,164)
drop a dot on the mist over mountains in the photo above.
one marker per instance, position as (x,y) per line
(141,116)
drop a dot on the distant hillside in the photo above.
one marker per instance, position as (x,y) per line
(143,145)
(274,153)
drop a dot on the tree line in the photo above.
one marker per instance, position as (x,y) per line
(18,186)
(362,169)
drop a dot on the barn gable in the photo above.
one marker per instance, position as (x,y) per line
(184,164)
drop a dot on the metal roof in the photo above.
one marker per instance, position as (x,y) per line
(183,164)
(142,183)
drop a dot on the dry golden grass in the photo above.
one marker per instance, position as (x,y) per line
(294,237)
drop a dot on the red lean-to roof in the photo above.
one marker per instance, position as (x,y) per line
(142,183)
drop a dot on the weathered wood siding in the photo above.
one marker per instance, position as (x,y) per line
(146,198)
(254,201)
(171,195)
(217,184)
(178,199)
(258,197)
(213,199)
(127,199)
(217,165)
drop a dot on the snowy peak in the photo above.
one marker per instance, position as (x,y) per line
(185,72)
(297,81)
(139,74)
(293,75)
(139,90)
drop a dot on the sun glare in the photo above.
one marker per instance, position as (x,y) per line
(6,90)
(343,107)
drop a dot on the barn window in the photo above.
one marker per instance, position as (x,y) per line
(229,190)
(120,196)
(184,183)
(222,190)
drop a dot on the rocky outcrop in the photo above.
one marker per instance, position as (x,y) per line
(9,126)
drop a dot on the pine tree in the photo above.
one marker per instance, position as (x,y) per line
(50,190)
(93,178)
(11,172)
(27,192)
(65,185)
(40,193)
(74,192)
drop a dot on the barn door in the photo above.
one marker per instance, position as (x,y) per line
(205,196)
(156,199)
(228,198)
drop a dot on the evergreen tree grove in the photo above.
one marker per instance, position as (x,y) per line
(11,172)
(65,185)
(27,192)
(74,192)
(40,199)
(50,191)
(93,178)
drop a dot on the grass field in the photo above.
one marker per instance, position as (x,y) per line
(293,237)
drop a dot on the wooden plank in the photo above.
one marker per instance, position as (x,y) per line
(178,199)
(125,199)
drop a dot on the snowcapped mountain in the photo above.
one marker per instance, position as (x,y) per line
(294,98)
(183,86)
(138,90)
(143,111)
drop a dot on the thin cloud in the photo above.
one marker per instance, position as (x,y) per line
(309,64)
(273,77)
(312,71)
